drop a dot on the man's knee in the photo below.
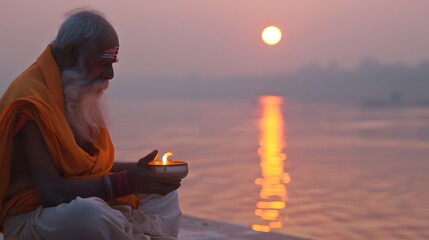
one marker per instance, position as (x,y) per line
(85,217)
(89,218)
(150,201)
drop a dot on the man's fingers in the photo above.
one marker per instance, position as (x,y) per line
(150,157)
(171,181)
(164,188)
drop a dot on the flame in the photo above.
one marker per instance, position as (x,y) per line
(165,158)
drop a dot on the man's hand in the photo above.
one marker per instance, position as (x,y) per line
(143,180)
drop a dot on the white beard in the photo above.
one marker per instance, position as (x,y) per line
(83,105)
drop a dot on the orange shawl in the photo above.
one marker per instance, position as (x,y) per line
(38,93)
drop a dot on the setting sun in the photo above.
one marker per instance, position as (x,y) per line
(271,35)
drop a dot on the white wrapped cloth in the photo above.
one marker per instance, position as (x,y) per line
(92,218)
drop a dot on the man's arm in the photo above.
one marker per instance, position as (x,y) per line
(53,189)
(122,166)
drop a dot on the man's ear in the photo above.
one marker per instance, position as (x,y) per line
(70,55)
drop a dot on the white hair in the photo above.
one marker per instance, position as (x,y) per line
(81,28)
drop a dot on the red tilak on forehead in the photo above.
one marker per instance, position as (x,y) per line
(111,54)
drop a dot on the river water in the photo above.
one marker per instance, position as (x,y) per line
(324,171)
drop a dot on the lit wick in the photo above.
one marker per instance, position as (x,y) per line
(165,158)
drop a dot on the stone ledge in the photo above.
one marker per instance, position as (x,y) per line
(193,228)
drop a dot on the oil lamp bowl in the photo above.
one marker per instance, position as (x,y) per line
(172,171)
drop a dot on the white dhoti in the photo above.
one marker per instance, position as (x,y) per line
(92,218)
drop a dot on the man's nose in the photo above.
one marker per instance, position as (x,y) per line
(108,72)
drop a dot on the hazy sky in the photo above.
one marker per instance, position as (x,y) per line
(221,38)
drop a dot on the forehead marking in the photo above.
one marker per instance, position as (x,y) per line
(111,54)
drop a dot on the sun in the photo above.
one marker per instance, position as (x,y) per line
(271,35)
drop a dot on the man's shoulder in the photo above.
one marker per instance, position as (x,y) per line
(28,83)
(32,72)
(31,77)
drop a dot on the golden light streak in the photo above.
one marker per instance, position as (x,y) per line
(260,228)
(272,142)
(276,224)
(272,205)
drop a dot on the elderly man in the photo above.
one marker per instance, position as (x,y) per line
(58,176)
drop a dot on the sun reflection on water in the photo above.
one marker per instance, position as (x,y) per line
(273,193)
